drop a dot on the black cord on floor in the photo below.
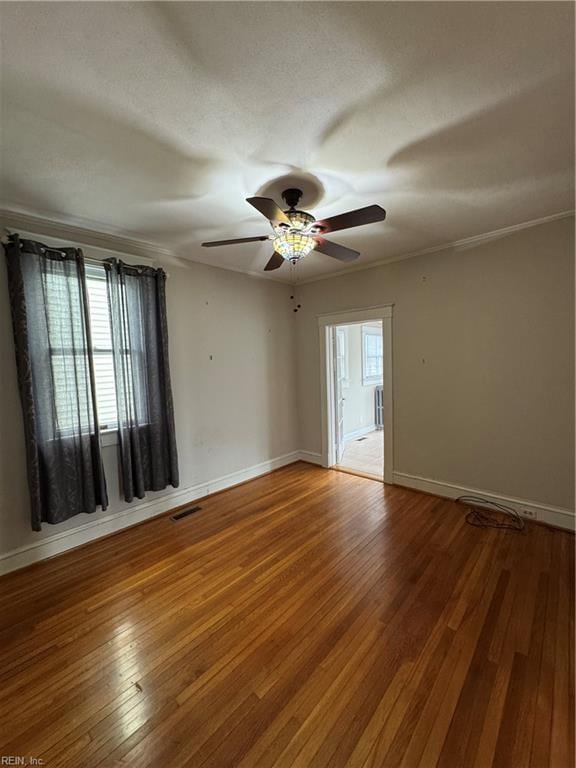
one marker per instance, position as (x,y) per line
(488,514)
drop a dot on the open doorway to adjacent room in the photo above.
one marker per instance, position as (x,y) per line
(358,391)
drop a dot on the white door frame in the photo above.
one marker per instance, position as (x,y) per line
(352,317)
(338,396)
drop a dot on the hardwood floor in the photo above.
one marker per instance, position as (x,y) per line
(309,618)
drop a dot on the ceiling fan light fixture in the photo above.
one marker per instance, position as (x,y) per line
(296,233)
(293,246)
(299,221)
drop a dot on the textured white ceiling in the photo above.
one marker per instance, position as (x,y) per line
(156,120)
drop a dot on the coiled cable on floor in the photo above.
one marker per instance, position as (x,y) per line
(488,514)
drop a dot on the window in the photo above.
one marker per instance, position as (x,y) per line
(68,367)
(372,357)
(68,362)
(72,404)
(64,338)
(102,346)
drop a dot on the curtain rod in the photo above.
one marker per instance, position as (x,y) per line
(91,260)
(87,259)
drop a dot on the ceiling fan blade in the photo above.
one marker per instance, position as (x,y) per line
(356,218)
(335,250)
(275,262)
(268,208)
(233,242)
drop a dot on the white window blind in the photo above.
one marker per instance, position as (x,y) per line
(66,333)
(102,346)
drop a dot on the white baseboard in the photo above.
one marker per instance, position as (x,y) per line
(559,517)
(117,521)
(310,457)
(359,433)
(81,534)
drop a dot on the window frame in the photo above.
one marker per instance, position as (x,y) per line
(367,378)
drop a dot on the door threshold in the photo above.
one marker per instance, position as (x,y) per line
(359,473)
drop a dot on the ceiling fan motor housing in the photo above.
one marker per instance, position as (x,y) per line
(291,197)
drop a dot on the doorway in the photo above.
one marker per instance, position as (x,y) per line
(357,392)
(358,398)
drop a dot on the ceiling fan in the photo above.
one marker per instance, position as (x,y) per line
(296,233)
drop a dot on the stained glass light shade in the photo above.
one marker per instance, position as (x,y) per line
(293,245)
(299,220)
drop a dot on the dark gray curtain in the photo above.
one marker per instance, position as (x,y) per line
(148,456)
(56,380)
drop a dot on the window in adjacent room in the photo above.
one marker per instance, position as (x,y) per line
(372,355)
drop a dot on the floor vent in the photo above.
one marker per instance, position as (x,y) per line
(185,513)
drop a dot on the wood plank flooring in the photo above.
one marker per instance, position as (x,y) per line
(308,618)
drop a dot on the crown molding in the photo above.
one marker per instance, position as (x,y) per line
(125,245)
(466,242)
(120,244)
(82,236)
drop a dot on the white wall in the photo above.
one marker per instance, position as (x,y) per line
(483,378)
(359,397)
(483,351)
(234,412)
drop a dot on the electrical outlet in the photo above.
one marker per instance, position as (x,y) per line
(529,513)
